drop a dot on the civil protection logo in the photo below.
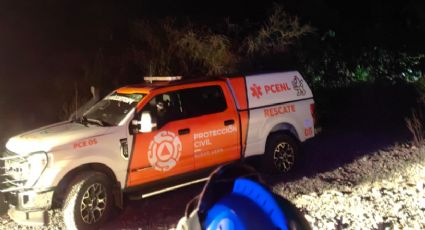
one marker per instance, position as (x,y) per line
(256,91)
(164,151)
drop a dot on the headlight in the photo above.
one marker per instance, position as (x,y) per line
(36,163)
(21,172)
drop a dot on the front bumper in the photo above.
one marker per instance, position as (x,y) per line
(29,218)
(29,207)
(24,205)
(30,200)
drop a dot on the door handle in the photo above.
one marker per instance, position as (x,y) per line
(229,122)
(184,131)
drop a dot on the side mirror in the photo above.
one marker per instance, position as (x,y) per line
(145,125)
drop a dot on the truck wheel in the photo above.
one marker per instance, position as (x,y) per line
(280,155)
(88,201)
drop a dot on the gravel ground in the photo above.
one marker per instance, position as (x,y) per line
(384,190)
(361,183)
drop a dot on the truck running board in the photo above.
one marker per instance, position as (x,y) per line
(146,195)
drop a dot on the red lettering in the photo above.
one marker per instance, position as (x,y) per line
(267,88)
(276,88)
(279,88)
(270,112)
(85,143)
(266,113)
(275,111)
(92,142)
(308,132)
(79,145)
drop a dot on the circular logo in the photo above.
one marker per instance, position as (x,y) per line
(164,151)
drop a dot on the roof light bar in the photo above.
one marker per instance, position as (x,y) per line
(162,78)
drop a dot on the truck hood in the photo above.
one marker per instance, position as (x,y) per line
(53,137)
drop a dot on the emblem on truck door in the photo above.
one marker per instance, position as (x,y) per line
(124,148)
(298,86)
(164,151)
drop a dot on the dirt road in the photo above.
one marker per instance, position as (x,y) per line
(328,151)
(332,149)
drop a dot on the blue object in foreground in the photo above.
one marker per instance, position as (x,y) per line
(249,206)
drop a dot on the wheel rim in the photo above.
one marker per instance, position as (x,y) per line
(284,156)
(93,204)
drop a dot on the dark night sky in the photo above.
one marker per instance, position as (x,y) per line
(43,42)
(43,38)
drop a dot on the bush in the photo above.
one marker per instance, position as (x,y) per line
(415,125)
(420,88)
(153,47)
(209,52)
(164,48)
(278,32)
(339,67)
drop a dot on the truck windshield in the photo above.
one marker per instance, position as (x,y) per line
(112,109)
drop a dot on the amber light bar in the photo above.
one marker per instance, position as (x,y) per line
(162,78)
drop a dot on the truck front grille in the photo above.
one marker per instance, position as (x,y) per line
(12,177)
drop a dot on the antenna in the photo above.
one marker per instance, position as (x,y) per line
(76,100)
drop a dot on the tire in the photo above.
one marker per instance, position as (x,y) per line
(281,153)
(92,190)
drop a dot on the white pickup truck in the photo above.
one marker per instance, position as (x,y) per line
(146,137)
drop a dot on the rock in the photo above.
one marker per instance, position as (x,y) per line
(420,186)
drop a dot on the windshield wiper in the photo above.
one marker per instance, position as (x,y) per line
(95,121)
(85,121)
(98,122)
(81,120)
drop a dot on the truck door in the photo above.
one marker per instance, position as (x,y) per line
(213,125)
(167,150)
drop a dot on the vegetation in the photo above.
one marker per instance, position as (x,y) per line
(415,125)
(280,31)
(337,68)
(164,48)
(366,77)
